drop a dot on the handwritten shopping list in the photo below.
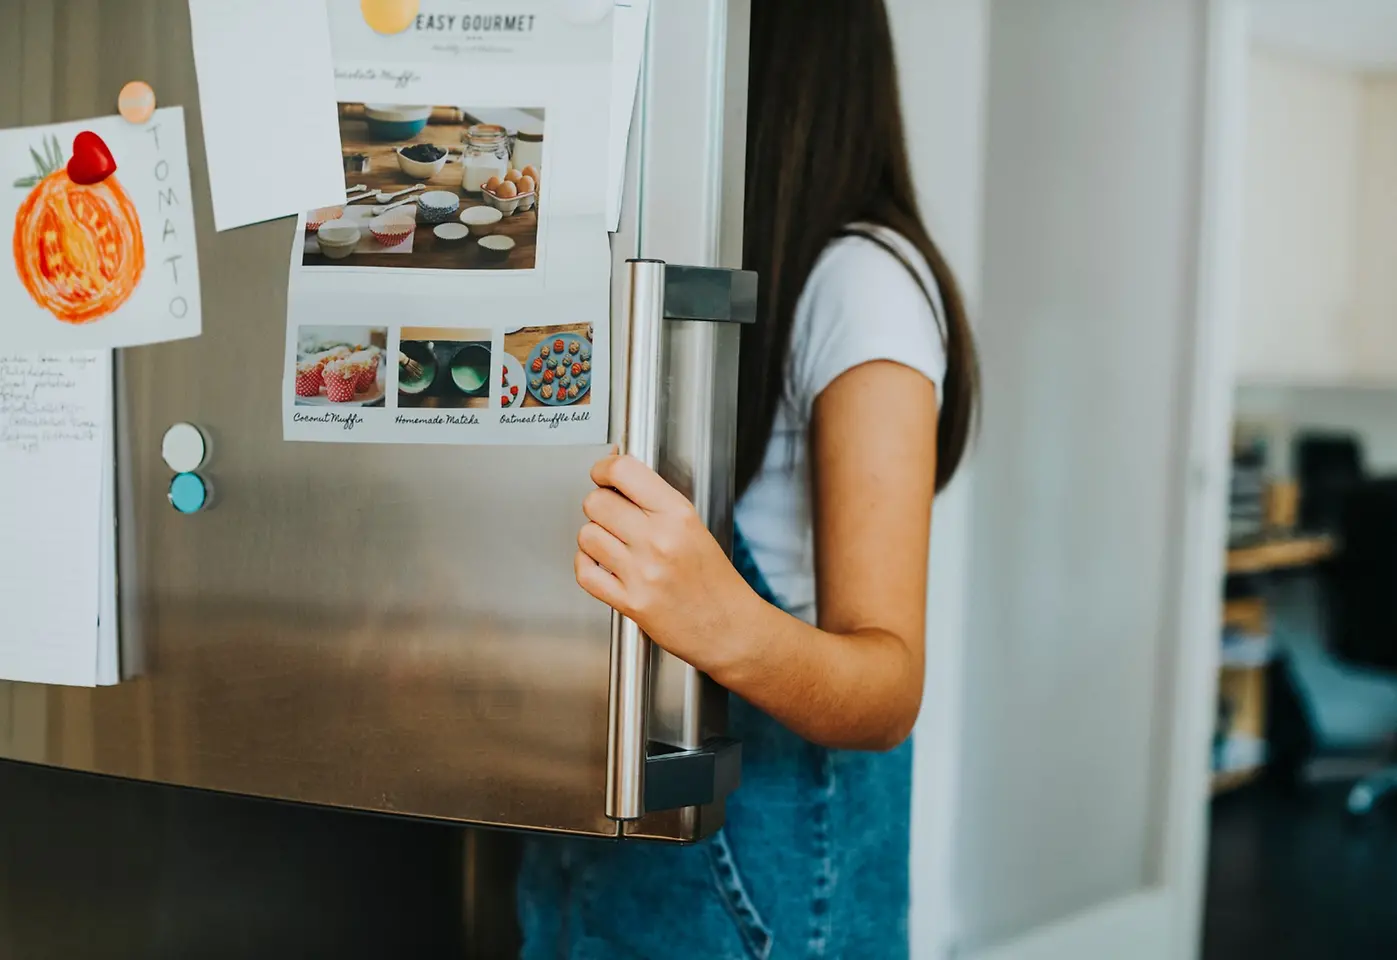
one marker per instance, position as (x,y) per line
(55,417)
(102,250)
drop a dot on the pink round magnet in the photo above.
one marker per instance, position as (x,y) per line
(136,102)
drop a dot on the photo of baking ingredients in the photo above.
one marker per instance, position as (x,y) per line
(556,363)
(340,366)
(433,188)
(449,367)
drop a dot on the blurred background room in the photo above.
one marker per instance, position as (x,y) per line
(1303,843)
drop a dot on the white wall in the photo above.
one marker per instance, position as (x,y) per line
(941,47)
(1377,232)
(1072,232)
(1091,192)
(1300,233)
(1320,234)
(1318,347)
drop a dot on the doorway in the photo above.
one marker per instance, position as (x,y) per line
(1303,848)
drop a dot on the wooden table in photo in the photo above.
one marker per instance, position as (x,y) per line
(519,343)
(429,252)
(408,401)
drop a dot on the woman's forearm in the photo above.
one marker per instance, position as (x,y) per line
(858,690)
(646,553)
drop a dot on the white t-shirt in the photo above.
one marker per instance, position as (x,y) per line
(860,304)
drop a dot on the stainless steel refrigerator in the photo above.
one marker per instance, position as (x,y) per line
(430,656)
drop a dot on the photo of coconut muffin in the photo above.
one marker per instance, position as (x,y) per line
(339,366)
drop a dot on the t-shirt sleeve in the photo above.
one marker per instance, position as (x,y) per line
(860,304)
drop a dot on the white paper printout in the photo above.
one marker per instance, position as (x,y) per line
(266,93)
(55,418)
(628,51)
(459,291)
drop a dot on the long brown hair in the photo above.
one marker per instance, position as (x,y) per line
(825,149)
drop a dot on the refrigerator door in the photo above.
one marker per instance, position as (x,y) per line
(694,97)
(386,628)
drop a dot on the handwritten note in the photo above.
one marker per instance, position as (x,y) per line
(43,402)
(55,435)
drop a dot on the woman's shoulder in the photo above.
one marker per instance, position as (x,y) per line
(872,263)
(870,296)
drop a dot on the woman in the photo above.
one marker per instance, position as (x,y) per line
(858,386)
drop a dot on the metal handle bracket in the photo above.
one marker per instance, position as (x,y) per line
(710,293)
(692,778)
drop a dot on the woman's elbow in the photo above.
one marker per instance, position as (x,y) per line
(891,728)
(899,717)
(896,734)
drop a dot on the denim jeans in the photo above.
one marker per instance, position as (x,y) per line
(812,862)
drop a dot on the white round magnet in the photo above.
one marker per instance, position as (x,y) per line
(184,448)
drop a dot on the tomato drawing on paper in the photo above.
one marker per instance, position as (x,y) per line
(77,239)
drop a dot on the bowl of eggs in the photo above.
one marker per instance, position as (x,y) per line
(528,188)
(516,191)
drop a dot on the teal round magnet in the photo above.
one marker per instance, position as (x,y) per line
(188,494)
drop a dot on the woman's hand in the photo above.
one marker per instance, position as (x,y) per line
(646,553)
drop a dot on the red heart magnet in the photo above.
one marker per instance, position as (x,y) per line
(92,162)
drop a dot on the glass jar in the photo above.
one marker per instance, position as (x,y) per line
(485,155)
(528,151)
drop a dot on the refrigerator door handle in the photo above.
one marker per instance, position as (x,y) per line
(628,707)
(660,292)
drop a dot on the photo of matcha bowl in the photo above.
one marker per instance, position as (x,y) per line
(444,367)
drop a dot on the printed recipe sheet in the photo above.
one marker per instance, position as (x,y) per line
(460,292)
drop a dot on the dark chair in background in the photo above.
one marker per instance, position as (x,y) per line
(1362,600)
(1327,466)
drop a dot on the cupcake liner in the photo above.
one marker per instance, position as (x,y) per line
(393,232)
(318,218)
(309,381)
(340,389)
